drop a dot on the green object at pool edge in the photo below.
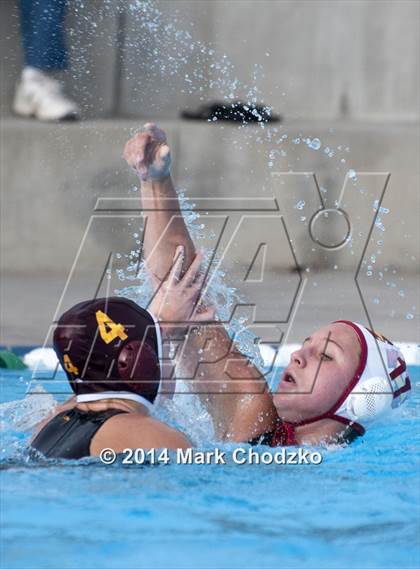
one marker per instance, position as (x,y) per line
(9,360)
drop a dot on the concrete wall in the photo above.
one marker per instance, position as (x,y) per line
(314,58)
(346,72)
(329,58)
(52,176)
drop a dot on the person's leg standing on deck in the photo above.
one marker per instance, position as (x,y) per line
(38,94)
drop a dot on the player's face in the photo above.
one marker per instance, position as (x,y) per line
(318,373)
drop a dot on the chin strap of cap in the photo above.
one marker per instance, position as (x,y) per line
(103,395)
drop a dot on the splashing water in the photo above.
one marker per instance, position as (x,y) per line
(223,296)
(300,205)
(315,143)
(187,412)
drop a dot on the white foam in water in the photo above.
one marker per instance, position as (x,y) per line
(186,411)
(42,359)
(24,414)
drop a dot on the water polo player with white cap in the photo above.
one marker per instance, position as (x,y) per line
(336,385)
(111,350)
(343,374)
(342,379)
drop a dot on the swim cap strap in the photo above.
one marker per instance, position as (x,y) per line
(331,415)
(356,426)
(90,397)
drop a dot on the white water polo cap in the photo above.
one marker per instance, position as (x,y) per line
(380,384)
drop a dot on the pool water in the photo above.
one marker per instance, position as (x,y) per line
(359,508)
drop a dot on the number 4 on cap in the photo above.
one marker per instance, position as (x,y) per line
(108,329)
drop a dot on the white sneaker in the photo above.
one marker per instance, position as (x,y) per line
(40,96)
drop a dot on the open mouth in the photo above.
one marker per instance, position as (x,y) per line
(288,378)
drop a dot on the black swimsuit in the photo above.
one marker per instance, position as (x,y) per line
(264,439)
(69,434)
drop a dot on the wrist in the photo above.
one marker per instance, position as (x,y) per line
(163,184)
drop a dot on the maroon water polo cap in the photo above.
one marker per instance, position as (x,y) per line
(110,348)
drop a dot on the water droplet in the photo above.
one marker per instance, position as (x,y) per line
(409,316)
(379,224)
(300,205)
(352,174)
(315,143)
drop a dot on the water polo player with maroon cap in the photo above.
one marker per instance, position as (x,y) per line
(111,350)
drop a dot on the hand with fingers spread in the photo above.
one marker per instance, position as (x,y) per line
(149,154)
(175,299)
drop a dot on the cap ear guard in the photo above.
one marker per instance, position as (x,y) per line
(138,365)
(383,385)
(371,398)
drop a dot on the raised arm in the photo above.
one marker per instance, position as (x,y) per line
(233,391)
(149,155)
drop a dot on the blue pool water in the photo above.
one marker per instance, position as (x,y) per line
(359,508)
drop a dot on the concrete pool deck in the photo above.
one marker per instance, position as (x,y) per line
(28,303)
